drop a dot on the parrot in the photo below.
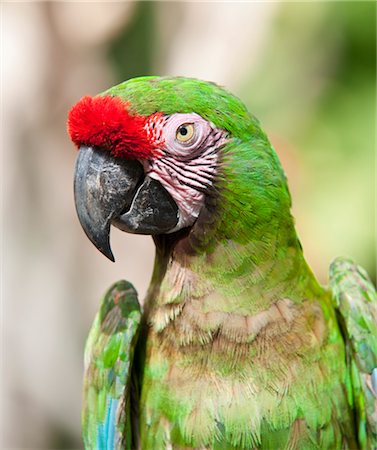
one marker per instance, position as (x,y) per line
(236,345)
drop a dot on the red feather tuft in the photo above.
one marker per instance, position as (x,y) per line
(105,122)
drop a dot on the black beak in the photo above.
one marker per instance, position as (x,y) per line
(115,191)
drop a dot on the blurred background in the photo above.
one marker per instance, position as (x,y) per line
(306,70)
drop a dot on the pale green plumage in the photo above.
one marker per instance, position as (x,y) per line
(356,301)
(108,361)
(241,347)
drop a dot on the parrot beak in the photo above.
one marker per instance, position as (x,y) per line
(113,191)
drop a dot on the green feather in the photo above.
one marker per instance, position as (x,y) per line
(356,301)
(241,346)
(147,95)
(108,363)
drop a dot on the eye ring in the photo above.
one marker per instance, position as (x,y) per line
(185,132)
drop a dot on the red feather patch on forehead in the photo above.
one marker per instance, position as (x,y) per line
(104,121)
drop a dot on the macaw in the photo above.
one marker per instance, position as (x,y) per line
(237,345)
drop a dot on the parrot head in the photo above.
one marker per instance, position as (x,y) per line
(162,155)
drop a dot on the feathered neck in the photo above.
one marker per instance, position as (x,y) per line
(243,254)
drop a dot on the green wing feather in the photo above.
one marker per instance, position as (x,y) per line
(108,363)
(356,302)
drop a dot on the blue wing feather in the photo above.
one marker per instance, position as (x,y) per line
(108,363)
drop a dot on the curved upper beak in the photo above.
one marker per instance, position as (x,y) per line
(115,191)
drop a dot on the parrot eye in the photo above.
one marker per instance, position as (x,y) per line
(185,132)
(184,135)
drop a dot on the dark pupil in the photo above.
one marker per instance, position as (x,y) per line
(183,131)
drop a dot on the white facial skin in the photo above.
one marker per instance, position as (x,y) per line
(188,162)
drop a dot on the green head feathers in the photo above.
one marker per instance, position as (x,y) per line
(148,95)
(256,190)
(229,185)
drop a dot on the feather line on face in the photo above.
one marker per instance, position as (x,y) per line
(186,168)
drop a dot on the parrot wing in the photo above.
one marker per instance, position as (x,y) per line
(355,300)
(108,364)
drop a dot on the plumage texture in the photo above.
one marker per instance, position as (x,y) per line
(108,363)
(240,347)
(356,302)
(105,122)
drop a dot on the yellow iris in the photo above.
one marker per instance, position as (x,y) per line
(185,132)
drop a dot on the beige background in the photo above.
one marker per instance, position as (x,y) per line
(288,62)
